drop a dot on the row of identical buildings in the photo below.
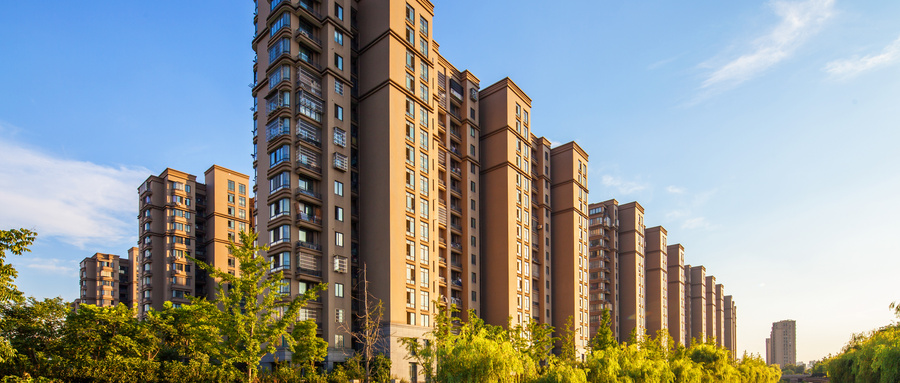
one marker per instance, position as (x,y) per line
(371,150)
(646,284)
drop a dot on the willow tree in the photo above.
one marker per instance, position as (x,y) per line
(253,317)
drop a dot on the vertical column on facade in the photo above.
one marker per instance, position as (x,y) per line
(602,269)
(710,306)
(698,303)
(631,270)
(657,281)
(569,205)
(676,299)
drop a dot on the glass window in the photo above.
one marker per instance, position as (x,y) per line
(339,37)
(338,61)
(339,188)
(339,12)
(338,112)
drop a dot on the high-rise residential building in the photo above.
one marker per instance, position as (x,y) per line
(698,306)
(631,289)
(180,218)
(730,327)
(676,298)
(710,289)
(603,238)
(569,248)
(508,222)
(781,346)
(656,280)
(720,314)
(397,188)
(107,280)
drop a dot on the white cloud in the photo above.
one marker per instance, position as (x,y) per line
(851,67)
(696,223)
(78,202)
(675,189)
(52,266)
(622,186)
(799,21)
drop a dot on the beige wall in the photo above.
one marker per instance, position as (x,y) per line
(676,291)
(698,303)
(631,270)
(657,281)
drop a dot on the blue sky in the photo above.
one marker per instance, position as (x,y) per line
(762,134)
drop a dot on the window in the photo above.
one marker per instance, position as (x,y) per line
(338,61)
(410,250)
(280,261)
(410,83)
(410,298)
(410,14)
(339,112)
(339,213)
(411,318)
(423,26)
(423,73)
(339,290)
(339,188)
(340,137)
(339,315)
(411,279)
(410,179)
(283,21)
(339,340)
(410,60)
(410,155)
(338,87)
(423,46)
(280,234)
(339,239)
(339,12)
(424,227)
(425,301)
(423,139)
(410,35)
(282,46)
(423,92)
(230,185)
(423,274)
(423,253)
(339,37)
(282,154)
(410,108)
(410,203)
(410,227)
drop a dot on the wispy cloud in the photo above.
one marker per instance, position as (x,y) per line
(696,223)
(51,265)
(847,68)
(675,189)
(798,21)
(78,202)
(622,186)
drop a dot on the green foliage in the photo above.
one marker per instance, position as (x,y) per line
(871,357)
(566,343)
(33,329)
(754,370)
(106,333)
(185,333)
(252,318)
(793,369)
(562,373)
(16,241)
(604,338)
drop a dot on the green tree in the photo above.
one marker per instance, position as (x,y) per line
(33,329)
(604,338)
(566,343)
(252,317)
(185,333)
(16,241)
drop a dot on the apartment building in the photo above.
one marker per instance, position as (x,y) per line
(106,280)
(180,218)
(710,289)
(656,281)
(404,133)
(631,289)
(603,236)
(730,327)
(678,310)
(781,346)
(699,330)
(535,228)
(569,246)
(720,314)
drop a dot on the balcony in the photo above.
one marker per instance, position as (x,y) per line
(309,8)
(309,35)
(456,208)
(310,272)
(311,166)
(276,131)
(309,245)
(309,193)
(456,171)
(309,218)
(456,245)
(455,189)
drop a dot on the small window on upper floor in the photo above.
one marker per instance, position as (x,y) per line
(423,26)
(339,37)
(410,14)
(339,12)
